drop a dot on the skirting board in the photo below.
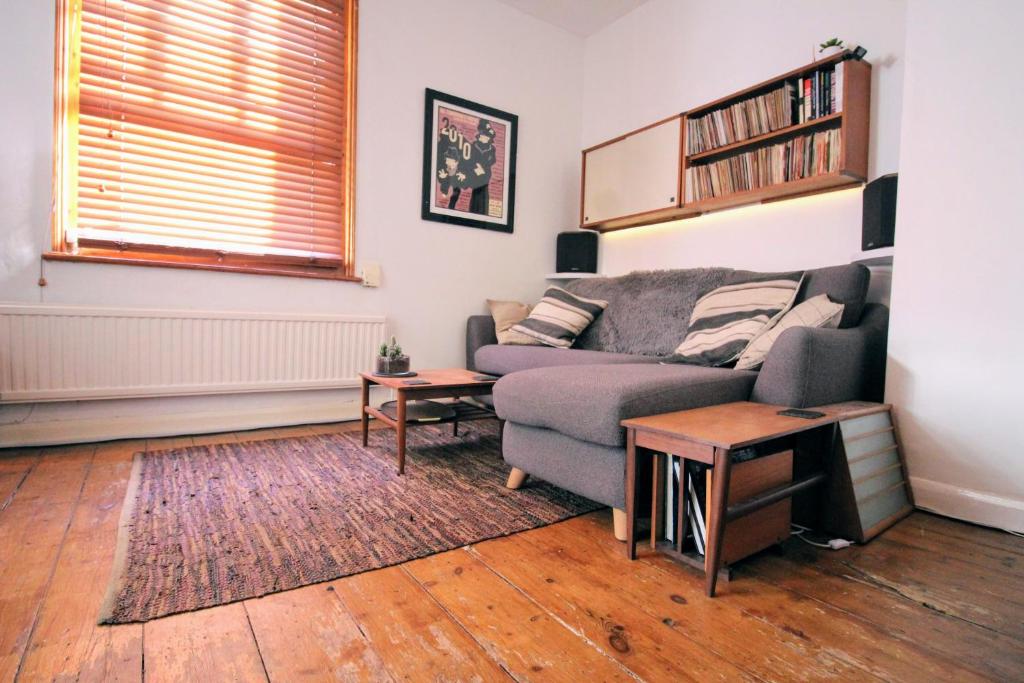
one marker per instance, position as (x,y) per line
(978,507)
(159,424)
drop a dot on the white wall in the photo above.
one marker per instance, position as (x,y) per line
(670,55)
(434,275)
(955,372)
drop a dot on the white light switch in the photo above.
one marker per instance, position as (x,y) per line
(371,275)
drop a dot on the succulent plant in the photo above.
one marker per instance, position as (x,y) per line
(831,42)
(391,351)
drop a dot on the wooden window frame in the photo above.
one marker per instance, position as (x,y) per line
(65,136)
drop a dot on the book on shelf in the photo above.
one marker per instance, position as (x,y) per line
(742,120)
(804,156)
(795,101)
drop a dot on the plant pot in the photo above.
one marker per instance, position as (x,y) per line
(392,366)
(829,51)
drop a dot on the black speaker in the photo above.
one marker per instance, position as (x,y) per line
(879,224)
(576,252)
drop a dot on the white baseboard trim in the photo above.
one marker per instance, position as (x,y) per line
(979,507)
(158,424)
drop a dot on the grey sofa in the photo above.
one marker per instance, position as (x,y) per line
(562,407)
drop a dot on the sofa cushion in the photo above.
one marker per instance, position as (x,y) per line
(588,401)
(727,318)
(847,285)
(559,317)
(498,359)
(818,311)
(506,314)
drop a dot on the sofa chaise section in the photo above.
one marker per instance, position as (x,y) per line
(589,402)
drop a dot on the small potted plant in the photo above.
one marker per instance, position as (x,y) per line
(832,46)
(391,360)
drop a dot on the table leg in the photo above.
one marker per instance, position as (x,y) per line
(400,430)
(657,497)
(631,494)
(363,416)
(717,507)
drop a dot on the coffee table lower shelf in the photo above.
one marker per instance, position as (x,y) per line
(463,411)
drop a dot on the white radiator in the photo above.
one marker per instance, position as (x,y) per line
(56,353)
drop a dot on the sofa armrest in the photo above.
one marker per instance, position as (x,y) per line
(479,332)
(813,367)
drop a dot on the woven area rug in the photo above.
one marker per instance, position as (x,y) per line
(209,525)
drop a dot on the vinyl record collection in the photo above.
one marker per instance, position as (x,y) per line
(796,101)
(802,157)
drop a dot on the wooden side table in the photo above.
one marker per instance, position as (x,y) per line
(442,383)
(711,435)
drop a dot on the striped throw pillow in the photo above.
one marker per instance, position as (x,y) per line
(818,311)
(560,317)
(726,319)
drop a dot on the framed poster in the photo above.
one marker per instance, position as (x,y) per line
(469,163)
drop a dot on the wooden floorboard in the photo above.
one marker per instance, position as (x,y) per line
(413,635)
(207,645)
(813,574)
(663,630)
(67,642)
(989,597)
(14,469)
(308,634)
(522,637)
(32,531)
(862,643)
(932,599)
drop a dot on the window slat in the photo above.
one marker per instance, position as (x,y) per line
(178,58)
(222,50)
(104,81)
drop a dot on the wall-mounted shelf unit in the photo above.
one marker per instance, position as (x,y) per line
(760,144)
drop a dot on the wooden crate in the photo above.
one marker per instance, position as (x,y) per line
(764,528)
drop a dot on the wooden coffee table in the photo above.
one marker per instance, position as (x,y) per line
(443,383)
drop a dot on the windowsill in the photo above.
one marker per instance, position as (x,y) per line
(240,266)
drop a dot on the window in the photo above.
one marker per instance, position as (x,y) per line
(206,133)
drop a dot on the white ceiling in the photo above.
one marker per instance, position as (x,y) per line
(582,17)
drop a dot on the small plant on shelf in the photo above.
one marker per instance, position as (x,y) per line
(391,360)
(830,47)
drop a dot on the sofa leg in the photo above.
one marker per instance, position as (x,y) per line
(516,478)
(619,521)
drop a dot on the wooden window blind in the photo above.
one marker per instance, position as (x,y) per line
(216,130)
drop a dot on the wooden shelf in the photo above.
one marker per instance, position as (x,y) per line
(882,256)
(851,169)
(761,87)
(571,276)
(794,188)
(673,213)
(750,142)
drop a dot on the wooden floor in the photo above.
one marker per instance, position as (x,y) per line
(930,600)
